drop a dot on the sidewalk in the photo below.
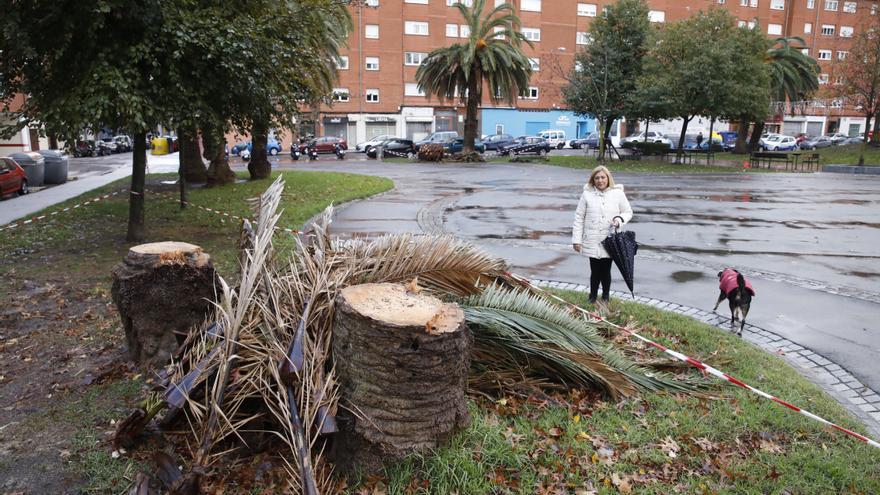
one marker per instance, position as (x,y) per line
(24,206)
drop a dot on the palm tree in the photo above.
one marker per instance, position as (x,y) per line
(793,76)
(492,54)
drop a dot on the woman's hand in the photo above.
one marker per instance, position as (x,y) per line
(615,222)
(577,247)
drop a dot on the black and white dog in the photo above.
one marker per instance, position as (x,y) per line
(739,293)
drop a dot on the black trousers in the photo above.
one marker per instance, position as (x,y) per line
(600,272)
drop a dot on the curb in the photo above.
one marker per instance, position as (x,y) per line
(851,169)
(856,397)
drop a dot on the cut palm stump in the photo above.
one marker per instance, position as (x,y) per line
(161,290)
(402,359)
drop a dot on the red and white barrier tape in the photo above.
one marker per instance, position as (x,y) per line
(218,212)
(702,366)
(62,210)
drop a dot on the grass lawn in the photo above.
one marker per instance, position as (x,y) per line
(849,155)
(727,442)
(63,376)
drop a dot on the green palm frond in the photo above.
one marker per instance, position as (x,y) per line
(556,343)
(794,75)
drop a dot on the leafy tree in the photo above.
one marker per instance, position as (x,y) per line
(793,78)
(491,56)
(602,82)
(860,72)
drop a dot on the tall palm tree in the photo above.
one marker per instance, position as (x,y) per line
(492,55)
(793,75)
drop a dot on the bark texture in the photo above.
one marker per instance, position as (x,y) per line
(402,361)
(161,290)
(259,166)
(219,172)
(191,163)
(136,231)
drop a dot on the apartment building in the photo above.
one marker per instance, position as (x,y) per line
(377,91)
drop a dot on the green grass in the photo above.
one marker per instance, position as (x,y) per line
(729,442)
(99,228)
(849,155)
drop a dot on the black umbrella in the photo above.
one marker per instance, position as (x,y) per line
(622,247)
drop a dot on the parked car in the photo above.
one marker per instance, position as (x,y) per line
(838,138)
(527,144)
(778,142)
(765,137)
(12,177)
(111,144)
(853,140)
(653,137)
(814,142)
(327,144)
(497,141)
(83,148)
(102,148)
(441,137)
(366,145)
(555,137)
(591,140)
(273,147)
(457,145)
(395,147)
(124,143)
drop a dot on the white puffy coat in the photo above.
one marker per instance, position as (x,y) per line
(595,212)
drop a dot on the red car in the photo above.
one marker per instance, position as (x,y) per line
(325,144)
(12,177)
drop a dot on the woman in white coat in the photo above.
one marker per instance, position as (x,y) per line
(603,206)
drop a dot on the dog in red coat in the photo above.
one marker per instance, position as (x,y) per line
(738,292)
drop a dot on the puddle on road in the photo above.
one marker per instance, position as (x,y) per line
(864,274)
(686,276)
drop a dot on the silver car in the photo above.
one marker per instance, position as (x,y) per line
(366,145)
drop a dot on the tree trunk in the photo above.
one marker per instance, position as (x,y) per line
(711,131)
(259,166)
(756,135)
(191,156)
(601,130)
(219,172)
(864,145)
(684,128)
(647,126)
(470,119)
(740,148)
(402,360)
(53,141)
(161,290)
(875,137)
(136,195)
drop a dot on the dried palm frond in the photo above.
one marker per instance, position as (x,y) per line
(443,264)
(554,343)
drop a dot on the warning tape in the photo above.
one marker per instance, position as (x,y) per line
(62,210)
(700,365)
(219,212)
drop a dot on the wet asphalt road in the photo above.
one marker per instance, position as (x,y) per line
(808,243)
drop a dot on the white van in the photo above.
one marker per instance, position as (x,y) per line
(555,137)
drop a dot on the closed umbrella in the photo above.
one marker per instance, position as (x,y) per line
(622,247)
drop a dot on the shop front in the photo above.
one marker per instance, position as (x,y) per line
(518,122)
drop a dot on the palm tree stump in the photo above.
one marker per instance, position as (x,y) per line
(161,290)
(402,359)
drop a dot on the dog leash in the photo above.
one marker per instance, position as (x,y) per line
(697,364)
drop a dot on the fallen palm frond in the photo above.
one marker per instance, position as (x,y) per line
(262,374)
(527,328)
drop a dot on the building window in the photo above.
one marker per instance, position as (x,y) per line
(841,55)
(582,38)
(775,29)
(874,9)
(372,3)
(587,9)
(823,78)
(464,31)
(371,63)
(808,28)
(805,51)
(342,62)
(531,94)
(824,54)
(831,5)
(535,63)
(753,3)
(340,94)
(846,31)
(849,7)
(414,58)
(530,5)
(371,31)
(412,89)
(777,4)
(828,29)
(656,16)
(416,28)
(532,34)
(743,3)
(466,3)
(423,2)
(811,4)
(499,3)
(721,1)
(372,96)
(452,30)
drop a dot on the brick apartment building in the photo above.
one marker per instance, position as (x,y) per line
(378,94)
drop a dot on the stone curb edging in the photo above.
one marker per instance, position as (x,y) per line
(856,397)
(851,169)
